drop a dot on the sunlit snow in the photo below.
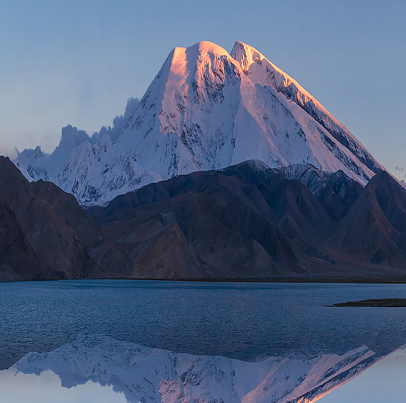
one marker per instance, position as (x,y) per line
(207,109)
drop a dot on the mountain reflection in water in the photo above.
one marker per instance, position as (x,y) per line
(153,375)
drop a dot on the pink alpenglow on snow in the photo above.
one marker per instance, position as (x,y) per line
(207,109)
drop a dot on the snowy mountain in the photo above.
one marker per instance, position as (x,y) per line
(152,375)
(207,109)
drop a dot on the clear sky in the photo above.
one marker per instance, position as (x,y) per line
(78,62)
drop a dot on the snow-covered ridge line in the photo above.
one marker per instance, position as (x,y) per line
(206,109)
(250,58)
(152,375)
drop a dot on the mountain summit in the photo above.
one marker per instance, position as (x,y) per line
(208,109)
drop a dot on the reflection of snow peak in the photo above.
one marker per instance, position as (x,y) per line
(153,375)
(207,109)
(382,382)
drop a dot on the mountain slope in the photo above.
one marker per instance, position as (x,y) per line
(207,109)
(247,221)
(55,243)
(374,230)
(44,233)
(221,228)
(103,257)
(251,221)
(18,260)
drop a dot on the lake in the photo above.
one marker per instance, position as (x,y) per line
(239,320)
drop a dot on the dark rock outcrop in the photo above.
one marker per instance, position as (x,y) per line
(250,221)
(17,258)
(46,235)
(244,222)
(373,232)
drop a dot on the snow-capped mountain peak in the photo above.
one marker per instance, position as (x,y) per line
(262,71)
(208,109)
(245,55)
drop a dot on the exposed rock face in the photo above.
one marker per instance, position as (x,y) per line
(55,243)
(250,221)
(45,234)
(373,232)
(336,191)
(17,258)
(247,221)
(104,258)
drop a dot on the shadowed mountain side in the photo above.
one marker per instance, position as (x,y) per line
(335,191)
(105,258)
(17,258)
(169,256)
(250,221)
(44,234)
(296,211)
(246,221)
(373,233)
(55,243)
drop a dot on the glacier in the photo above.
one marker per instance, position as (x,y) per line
(206,109)
(144,374)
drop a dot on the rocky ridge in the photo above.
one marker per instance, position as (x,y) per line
(247,221)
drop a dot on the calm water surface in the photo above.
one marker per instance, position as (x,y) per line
(239,320)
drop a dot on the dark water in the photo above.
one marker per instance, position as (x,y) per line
(239,320)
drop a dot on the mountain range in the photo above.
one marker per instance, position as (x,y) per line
(206,109)
(247,221)
(226,169)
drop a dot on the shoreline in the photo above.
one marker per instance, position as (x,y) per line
(287,280)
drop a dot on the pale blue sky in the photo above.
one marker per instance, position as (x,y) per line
(78,62)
